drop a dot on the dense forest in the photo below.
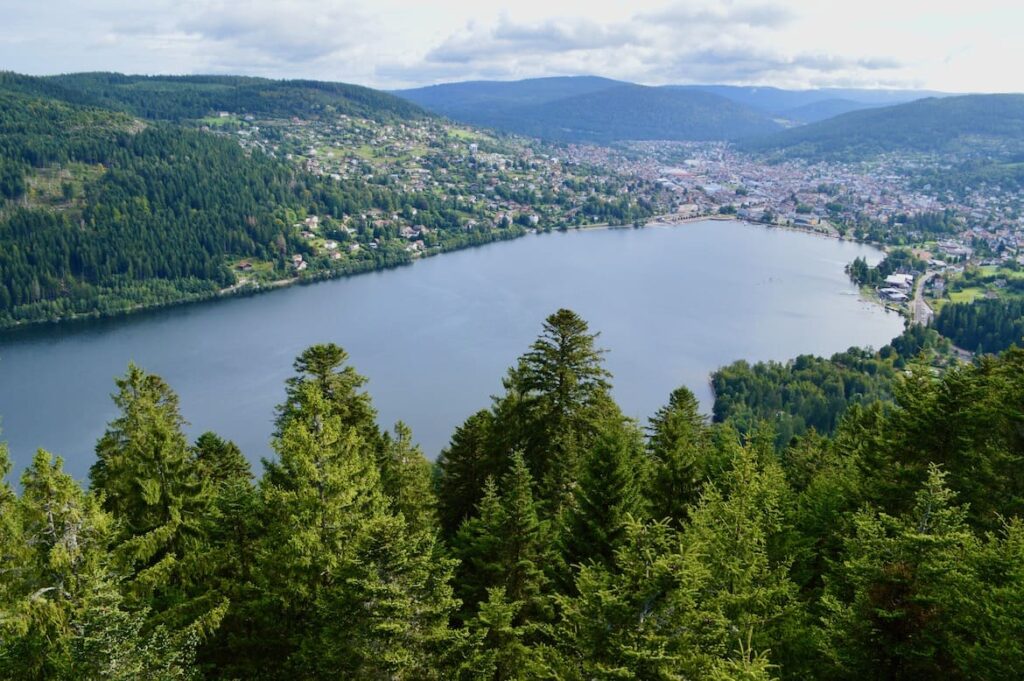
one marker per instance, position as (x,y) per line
(974,126)
(987,325)
(185,98)
(102,213)
(554,538)
(812,392)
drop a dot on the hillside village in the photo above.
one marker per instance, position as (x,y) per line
(501,186)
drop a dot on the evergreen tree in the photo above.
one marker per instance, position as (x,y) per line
(219,461)
(677,445)
(738,524)
(905,589)
(407,480)
(499,649)
(607,496)
(506,546)
(145,474)
(556,397)
(69,621)
(642,616)
(464,465)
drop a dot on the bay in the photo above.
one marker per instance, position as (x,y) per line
(435,338)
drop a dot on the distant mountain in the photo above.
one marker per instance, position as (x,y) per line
(471,97)
(780,102)
(592,109)
(971,125)
(826,108)
(177,98)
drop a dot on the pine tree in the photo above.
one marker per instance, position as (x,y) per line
(407,480)
(556,397)
(677,444)
(145,474)
(607,496)
(464,466)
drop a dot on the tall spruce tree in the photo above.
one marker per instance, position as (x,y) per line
(468,461)
(353,587)
(407,480)
(677,443)
(149,483)
(507,546)
(556,397)
(906,592)
(607,497)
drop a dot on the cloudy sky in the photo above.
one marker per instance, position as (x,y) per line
(964,46)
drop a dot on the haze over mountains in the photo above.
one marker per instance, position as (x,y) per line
(588,108)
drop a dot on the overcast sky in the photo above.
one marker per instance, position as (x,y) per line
(963,46)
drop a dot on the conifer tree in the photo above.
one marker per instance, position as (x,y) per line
(220,461)
(464,466)
(556,397)
(642,615)
(738,523)
(69,620)
(677,446)
(407,480)
(499,649)
(906,587)
(607,496)
(506,545)
(145,474)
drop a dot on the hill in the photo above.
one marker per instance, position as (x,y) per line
(593,110)
(822,110)
(969,125)
(778,101)
(178,98)
(476,98)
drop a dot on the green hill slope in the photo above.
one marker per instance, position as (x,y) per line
(177,98)
(971,125)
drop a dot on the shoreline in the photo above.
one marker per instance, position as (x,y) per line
(250,288)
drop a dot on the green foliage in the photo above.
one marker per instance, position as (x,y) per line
(812,392)
(984,325)
(678,443)
(977,125)
(891,549)
(606,497)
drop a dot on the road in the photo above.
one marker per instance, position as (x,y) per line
(920,311)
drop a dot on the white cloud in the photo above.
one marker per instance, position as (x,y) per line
(394,43)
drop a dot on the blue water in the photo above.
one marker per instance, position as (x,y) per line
(434,339)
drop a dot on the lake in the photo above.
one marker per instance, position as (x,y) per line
(672,304)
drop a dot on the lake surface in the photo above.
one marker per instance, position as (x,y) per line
(672,304)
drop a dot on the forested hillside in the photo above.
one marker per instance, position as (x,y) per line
(182,98)
(103,213)
(983,325)
(594,110)
(813,392)
(555,539)
(977,126)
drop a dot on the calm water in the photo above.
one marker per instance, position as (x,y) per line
(672,304)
